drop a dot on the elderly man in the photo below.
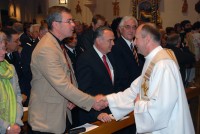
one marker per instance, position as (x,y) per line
(54,86)
(129,62)
(157,96)
(34,32)
(37,32)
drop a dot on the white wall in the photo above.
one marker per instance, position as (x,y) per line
(105,8)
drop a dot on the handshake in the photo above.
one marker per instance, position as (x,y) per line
(101,102)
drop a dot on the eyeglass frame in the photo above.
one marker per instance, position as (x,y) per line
(69,21)
(128,27)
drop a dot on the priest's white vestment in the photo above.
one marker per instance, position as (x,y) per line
(166,110)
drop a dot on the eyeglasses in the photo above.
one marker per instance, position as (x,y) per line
(128,27)
(69,21)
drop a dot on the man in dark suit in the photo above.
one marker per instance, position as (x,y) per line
(96,74)
(183,55)
(129,62)
(13,57)
(73,50)
(36,34)
(25,37)
(87,39)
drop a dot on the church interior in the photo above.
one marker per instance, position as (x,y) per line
(163,13)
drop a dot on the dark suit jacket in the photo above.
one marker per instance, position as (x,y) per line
(16,61)
(74,57)
(127,66)
(24,38)
(87,39)
(26,60)
(93,78)
(184,57)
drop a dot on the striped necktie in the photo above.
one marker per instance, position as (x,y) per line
(134,53)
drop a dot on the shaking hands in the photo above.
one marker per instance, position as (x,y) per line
(100,102)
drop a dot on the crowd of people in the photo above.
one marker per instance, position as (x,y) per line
(184,40)
(69,74)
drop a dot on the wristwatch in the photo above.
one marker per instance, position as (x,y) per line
(8,128)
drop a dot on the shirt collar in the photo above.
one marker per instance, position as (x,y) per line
(153,53)
(59,42)
(98,52)
(128,42)
(70,49)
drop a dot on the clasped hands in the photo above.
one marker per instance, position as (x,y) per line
(100,102)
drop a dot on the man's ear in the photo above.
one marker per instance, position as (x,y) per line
(55,24)
(120,29)
(97,40)
(147,39)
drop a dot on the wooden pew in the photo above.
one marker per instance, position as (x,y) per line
(25,116)
(193,96)
(113,126)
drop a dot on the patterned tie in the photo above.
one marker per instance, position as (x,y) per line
(64,52)
(74,52)
(106,65)
(135,53)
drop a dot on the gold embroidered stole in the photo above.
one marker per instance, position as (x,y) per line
(161,55)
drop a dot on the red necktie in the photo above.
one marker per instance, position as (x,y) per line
(106,65)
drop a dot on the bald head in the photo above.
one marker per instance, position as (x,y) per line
(147,38)
(151,29)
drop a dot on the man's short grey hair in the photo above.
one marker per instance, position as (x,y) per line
(54,14)
(34,25)
(126,18)
(99,31)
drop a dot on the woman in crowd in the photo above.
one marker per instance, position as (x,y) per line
(11,109)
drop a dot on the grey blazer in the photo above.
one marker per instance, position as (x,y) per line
(4,125)
(52,88)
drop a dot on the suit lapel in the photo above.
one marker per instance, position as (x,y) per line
(8,59)
(100,64)
(55,42)
(125,46)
